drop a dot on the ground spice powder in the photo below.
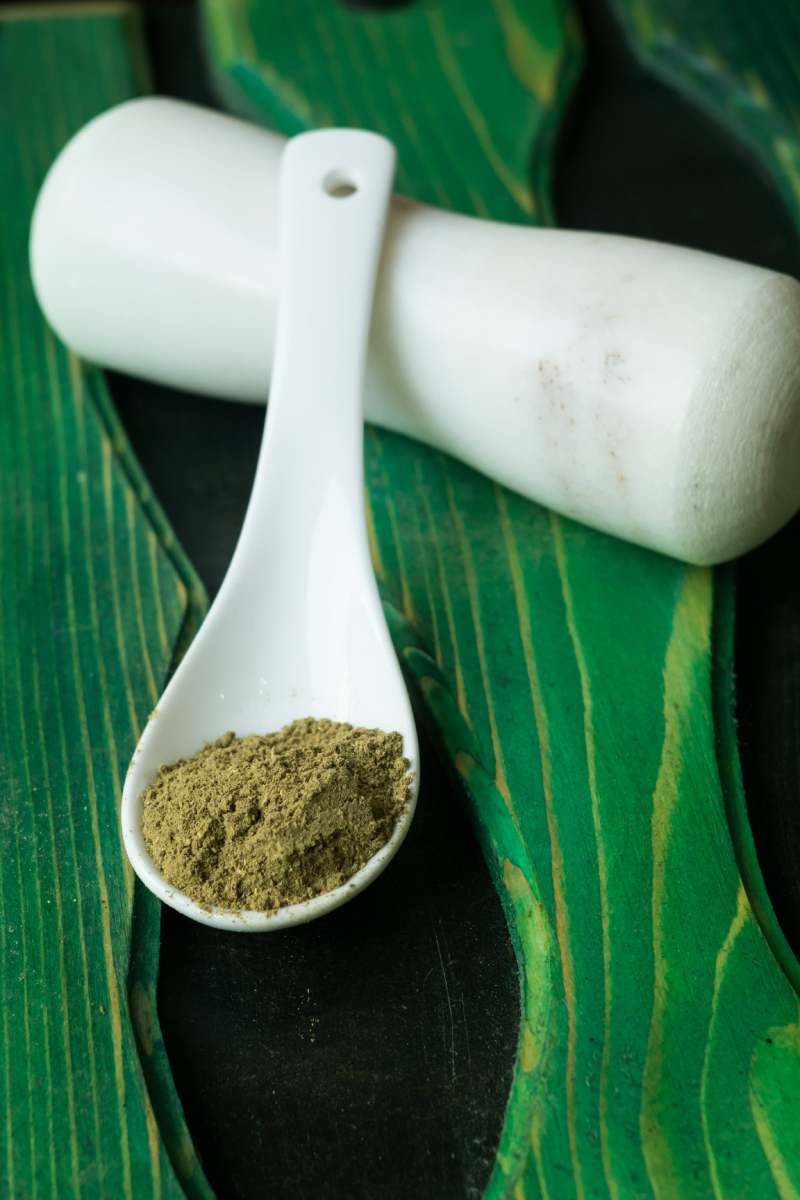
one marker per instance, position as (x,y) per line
(264,821)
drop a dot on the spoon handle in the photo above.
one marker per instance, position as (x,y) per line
(335,188)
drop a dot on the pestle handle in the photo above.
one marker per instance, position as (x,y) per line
(647,390)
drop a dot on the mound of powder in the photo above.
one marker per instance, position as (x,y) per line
(264,821)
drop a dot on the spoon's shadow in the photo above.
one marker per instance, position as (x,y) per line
(369,1053)
(366,1054)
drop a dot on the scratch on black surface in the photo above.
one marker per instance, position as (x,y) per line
(449,1007)
(466,1034)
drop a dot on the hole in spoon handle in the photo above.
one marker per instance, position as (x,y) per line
(340,183)
(329,251)
(335,187)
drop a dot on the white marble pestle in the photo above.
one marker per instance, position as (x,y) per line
(645,389)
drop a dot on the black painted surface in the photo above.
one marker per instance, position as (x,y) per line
(768,695)
(636,158)
(369,1055)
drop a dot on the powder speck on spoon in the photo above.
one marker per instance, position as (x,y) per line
(264,821)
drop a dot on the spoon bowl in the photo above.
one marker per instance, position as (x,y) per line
(297,629)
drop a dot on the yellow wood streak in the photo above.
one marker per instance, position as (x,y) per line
(111,982)
(447,162)
(778,1166)
(115,1008)
(24,441)
(105,915)
(130,517)
(406,603)
(6,1056)
(501,782)
(11,1174)
(231,29)
(77,385)
(161,625)
(108,506)
(532,1051)
(688,644)
(786,153)
(330,58)
(533,66)
(557,532)
(375,33)
(153,1146)
(537,1126)
(44,750)
(242,14)
(23,941)
(372,537)
(361,74)
(521,194)
(100,1170)
(426,577)
(561,909)
(537,940)
(48,1065)
(756,90)
(461,692)
(736,926)
(46,12)
(478,203)
(18,372)
(289,94)
(644,21)
(65,536)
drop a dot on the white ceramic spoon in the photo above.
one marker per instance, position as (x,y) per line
(297,628)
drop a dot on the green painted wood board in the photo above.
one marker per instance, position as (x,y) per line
(518,628)
(737,60)
(571,680)
(738,67)
(96,596)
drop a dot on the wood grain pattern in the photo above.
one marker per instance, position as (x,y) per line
(738,61)
(571,680)
(741,72)
(96,597)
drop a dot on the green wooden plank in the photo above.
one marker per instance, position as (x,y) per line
(449,83)
(737,60)
(739,63)
(96,596)
(570,678)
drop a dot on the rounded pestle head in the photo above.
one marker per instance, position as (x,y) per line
(739,478)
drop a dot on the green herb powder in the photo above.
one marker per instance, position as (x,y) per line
(264,821)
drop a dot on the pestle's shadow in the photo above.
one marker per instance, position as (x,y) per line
(635,157)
